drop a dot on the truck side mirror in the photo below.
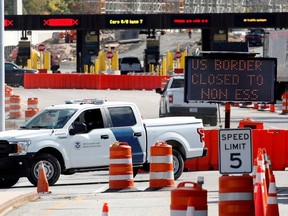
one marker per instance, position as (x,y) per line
(78,128)
(158,90)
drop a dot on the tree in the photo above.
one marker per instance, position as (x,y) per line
(35,7)
(8,7)
(46,7)
(58,7)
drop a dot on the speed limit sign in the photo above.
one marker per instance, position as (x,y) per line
(235,151)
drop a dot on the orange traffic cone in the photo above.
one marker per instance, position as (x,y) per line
(42,184)
(105,209)
(267,168)
(262,174)
(254,171)
(272,205)
(259,202)
(190,208)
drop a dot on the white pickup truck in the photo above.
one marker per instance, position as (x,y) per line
(172,103)
(76,137)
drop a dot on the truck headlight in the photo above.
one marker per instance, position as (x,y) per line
(22,147)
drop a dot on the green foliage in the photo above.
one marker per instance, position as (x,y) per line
(46,7)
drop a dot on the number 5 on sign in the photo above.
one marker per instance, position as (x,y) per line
(235,151)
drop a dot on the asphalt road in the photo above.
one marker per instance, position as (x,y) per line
(85,193)
(148,103)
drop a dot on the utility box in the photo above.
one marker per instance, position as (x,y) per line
(152,53)
(24,52)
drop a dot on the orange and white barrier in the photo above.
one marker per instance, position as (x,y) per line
(15,107)
(32,108)
(236,195)
(259,201)
(120,166)
(32,103)
(184,192)
(261,176)
(259,192)
(30,112)
(190,208)
(263,107)
(272,204)
(8,93)
(285,103)
(161,166)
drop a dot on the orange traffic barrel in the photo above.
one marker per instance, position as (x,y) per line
(246,122)
(29,112)
(8,93)
(120,166)
(181,195)
(32,103)
(161,166)
(284,103)
(15,107)
(236,195)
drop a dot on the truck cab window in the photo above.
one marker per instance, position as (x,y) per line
(91,118)
(122,116)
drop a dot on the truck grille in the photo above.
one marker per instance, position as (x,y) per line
(6,148)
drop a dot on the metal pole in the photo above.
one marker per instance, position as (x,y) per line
(2,71)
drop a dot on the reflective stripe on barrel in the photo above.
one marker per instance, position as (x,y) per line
(161,166)
(120,167)
(236,195)
(15,107)
(188,191)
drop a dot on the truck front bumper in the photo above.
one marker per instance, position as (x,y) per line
(16,166)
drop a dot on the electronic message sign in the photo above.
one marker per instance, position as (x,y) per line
(245,20)
(125,21)
(230,79)
(190,20)
(10,22)
(60,22)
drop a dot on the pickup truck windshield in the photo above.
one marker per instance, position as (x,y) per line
(50,119)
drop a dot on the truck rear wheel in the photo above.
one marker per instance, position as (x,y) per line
(178,163)
(8,182)
(52,168)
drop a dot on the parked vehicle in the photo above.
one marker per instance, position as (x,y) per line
(76,137)
(130,65)
(172,103)
(14,75)
(255,37)
(276,46)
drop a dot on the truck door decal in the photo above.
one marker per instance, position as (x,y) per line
(125,134)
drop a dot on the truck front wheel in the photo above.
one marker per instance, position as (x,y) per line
(8,182)
(52,168)
(178,163)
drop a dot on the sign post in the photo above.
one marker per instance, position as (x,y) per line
(235,151)
(41,48)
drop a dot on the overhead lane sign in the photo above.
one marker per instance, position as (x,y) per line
(56,22)
(235,151)
(126,21)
